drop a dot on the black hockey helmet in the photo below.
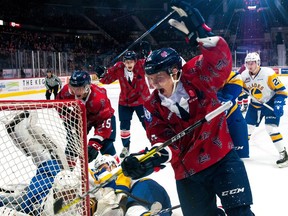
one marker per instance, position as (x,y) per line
(130,55)
(164,59)
(79,79)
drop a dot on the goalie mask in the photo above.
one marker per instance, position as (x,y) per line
(79,84)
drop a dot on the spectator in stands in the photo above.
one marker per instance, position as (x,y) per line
(52,83)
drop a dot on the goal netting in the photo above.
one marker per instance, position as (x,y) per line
(43,156)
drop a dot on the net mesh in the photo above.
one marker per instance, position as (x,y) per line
(42,156)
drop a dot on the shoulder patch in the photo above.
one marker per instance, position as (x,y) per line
(148,116)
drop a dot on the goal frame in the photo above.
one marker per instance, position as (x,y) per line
(15,105)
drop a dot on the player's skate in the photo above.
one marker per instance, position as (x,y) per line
(283,161)
(124,153)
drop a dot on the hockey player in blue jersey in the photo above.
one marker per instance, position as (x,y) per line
(124,196)
(236,123)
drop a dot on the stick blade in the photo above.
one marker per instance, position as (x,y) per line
(57,206)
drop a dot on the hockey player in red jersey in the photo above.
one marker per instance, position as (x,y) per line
(204,162)
(100,114)
(134,91)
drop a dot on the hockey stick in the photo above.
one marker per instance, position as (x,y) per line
(58,205)
(264,104)
(142,36)
(167,210)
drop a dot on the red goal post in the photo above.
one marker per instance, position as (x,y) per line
(32,133)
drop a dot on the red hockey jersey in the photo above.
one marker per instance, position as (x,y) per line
(201,78)
(98,109)
(133,94)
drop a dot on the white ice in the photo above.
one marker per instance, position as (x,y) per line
(268,182)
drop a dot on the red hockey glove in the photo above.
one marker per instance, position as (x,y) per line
(94,147)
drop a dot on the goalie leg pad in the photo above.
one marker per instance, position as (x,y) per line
(18,130)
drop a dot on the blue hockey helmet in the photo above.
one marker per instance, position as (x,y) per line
(130,55)
(164,59)
(79,79)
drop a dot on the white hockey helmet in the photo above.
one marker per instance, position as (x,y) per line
(254,56)
(105,159)
(66,180)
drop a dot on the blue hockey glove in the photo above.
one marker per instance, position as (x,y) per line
(224,97)
(135,169)
(100,71)
(279,103)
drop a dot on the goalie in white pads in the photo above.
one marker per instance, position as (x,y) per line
(123,196)
(265,88)
(32,141)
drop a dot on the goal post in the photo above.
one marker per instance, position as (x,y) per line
(43,155)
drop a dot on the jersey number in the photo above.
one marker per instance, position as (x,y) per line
(107,123)
(276,81)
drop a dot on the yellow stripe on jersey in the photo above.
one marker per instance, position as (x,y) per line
(235,78)
(276,137)
(123,182)
(275,84)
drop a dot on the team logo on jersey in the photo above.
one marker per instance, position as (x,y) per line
(257,93)
(148,116)
(203,158)
(248,79)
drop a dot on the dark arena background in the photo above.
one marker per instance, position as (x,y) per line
(85,33)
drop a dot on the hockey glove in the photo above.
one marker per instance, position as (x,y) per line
(279,103)
(94,147)
(135,169)
(223,98)
(145,48)
(100,71)
(192,19)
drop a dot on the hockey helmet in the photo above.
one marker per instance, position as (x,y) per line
(130,55)
(254,56)
(164,59)
(80,79)
(105,159)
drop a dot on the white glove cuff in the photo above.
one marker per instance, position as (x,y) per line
(209,41)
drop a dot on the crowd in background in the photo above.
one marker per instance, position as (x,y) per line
(92,36)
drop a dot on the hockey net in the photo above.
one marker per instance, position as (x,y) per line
(43,156)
